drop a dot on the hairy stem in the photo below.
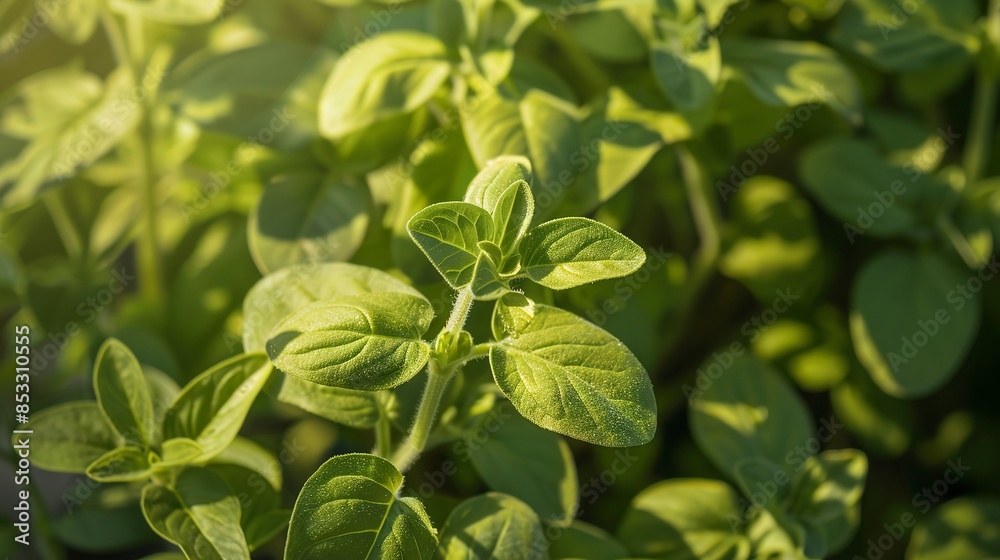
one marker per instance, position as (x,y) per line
(413,446)
(459,313)
(983,105)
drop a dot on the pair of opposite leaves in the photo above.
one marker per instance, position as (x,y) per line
(560,371)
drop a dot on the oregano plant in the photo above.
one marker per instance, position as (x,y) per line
(368,334)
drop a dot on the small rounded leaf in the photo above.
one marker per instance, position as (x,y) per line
(449,234)
(366,342)
(493,525)
(569,252)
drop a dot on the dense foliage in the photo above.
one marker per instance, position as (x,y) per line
(513,279)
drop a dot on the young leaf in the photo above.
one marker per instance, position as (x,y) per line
(449,234)
(391,73)
(493,525)
(366,342)
(531,464)
(211,408)
(279,294)
(123,394)
(179,451)
(124,464)
(910,325)
(685,519)
(307,218)
(569,252)
(486,282)
(512,216)
(498,175)
(748,411)
(571,377)
(357,409)
(198,513)
(350,509)
(69,437)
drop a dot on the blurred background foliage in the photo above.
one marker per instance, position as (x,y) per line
(158,157)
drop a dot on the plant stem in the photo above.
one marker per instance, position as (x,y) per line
(437,382)
(958,241)
(438,376)
(708,223)
(383,436)
(459,312)
(116,39)
(983,103)
(151,279)
(65,227)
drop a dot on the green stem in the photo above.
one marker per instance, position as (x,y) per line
(983,103)
(709,224)
(64,225)
(151,279)
(459,312)
(958,241)
(116,38)
(383,436)
(413,446)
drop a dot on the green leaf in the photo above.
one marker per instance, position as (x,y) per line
(123,394)
(261,514)
(245,453)
(69,437)
(493,525)
(391,73)
(350,508)
(531,464)
(571,377)
(939,32)
(910,322)
(962,528)
(367,342)
(212,407)
(162,391)
(278,295)
(171,12)
(305,218)
(826,499)
(583,541)
(857,186)
(792,73)
(498,175)
(449,234)
(198,513)
(123,464)
(685,519)
(569,252)
(687,64)
(55,114)
(179,451)
(512,216)
(776,244)
(357,409)
(747,410)
(487,283)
